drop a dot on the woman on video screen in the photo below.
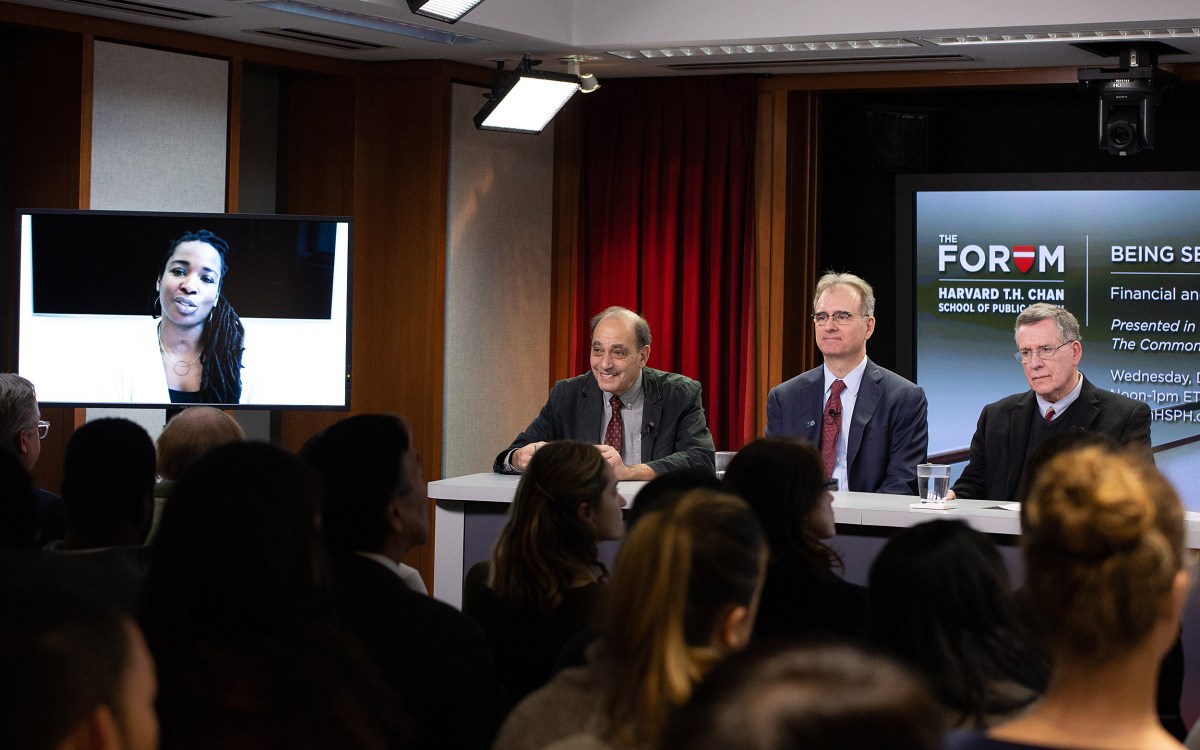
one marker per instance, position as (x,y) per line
(200,337)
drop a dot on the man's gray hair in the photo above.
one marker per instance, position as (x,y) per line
(865,292)
(18,407)
(641,328)
(1068,326)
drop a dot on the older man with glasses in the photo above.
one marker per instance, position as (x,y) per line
(22,430)
(1060,399)
(868,423)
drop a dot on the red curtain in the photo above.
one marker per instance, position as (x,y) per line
(667,229)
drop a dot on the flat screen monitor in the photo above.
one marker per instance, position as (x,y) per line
(108,299)
(1121,251)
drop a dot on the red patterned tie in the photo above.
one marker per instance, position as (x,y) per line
(831,426)
(615,434)
(1050,414)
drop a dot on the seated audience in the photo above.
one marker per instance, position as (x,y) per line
(76,674)
(941,602)
(683,596)
(1170,672)
(665,489)
(658,493)
(545,577)
(1102,538)
(784,482)
(108,495)
(827,698)
(18,508)
(21,432)
(375,511)
(188,435)
(238,614)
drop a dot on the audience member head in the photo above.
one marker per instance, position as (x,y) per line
(375,496)
(684,594)
(76,670)
(1103,545)
(239,547)
(828,698)
(19,415)
(566,502)
(666,488)
(238,612)
(108,484)
(941,601)
(190,434)
(784,481)
(18,507)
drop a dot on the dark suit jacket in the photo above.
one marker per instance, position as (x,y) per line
(435,656)
(889,434)
(1001,440)
(674,431)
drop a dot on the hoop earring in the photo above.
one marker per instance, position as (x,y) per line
(156,306)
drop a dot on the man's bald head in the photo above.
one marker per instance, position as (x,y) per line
(192,433)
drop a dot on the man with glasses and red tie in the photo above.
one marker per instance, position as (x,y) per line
(645,422)
(868,422)
(22,430)
(1060,400)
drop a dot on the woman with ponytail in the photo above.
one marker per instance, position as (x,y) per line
(200,337)
(683,595)
(1102,539)
(545,576)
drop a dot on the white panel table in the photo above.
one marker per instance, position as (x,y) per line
(456,496)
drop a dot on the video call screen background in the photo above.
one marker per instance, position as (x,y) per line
(87,286)
(1120,251)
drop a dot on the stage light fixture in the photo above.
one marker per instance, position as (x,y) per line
(443,10)
(524,100)
(587,81)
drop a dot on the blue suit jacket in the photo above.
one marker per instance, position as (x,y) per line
(889,434)
(674,430)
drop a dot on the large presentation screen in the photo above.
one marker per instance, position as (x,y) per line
(101,293)
(1120,251)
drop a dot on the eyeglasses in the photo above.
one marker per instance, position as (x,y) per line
(841,317)
(1024,356)
(43,428)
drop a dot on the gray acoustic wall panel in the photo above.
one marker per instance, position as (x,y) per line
(497,286)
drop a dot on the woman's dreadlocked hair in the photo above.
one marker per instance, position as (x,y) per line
(223,338)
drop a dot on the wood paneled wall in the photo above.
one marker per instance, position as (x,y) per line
(49,116)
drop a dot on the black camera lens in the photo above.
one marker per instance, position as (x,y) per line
(1120,134)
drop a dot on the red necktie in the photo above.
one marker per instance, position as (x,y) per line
(1050,414)
(832,426)
(615,434)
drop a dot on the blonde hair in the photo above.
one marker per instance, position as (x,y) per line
(1103,542)
(545,547)
(679,571)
